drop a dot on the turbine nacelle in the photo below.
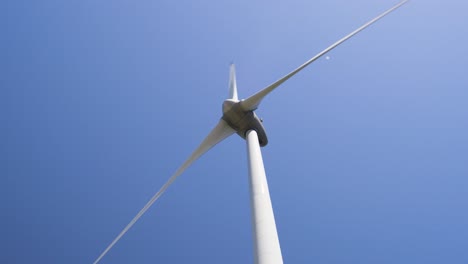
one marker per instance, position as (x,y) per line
(243,120)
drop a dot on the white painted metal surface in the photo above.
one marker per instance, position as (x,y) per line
(265,237)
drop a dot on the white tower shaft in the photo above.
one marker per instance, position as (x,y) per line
(265,237)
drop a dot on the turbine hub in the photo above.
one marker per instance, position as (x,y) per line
(242,121)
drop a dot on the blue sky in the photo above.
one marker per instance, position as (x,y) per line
(101,101)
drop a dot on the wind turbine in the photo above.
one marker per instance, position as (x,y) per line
(239,117)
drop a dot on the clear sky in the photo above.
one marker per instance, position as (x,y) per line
(101,101)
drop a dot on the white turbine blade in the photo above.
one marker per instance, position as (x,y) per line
(218,134)
(253,101)
(232,83)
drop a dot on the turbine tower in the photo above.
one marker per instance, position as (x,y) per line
(239,117)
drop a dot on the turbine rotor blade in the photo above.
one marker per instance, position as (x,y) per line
(217,134)
(253,101)
(232,83)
